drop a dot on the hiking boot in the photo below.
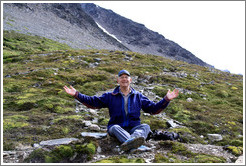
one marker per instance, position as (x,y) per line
(132,143)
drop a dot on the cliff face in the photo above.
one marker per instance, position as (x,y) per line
(79,26)
(137,37)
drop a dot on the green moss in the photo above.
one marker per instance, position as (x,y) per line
(15,121)
(222,94)
(237,142)
(121,159)
(69,117)
(38,155)
(204,158)
(89,149)
(156,124)
(103,121)
(202,127)
(176,148)
(64,153)
(235,150)
(60,154)
(16,42)
(160,158)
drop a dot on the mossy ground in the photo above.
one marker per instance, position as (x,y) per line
(80,152)
(36,108)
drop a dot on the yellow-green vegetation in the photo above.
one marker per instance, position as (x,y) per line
(121,159)
(16,44)
(235,150)
(36,108)
(15,121)
(168,158)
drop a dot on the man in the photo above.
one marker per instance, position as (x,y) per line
(124,105)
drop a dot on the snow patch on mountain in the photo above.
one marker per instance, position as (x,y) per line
(105,31)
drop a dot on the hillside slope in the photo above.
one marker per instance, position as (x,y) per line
(36,108)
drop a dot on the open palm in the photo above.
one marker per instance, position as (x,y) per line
(171,95)
(70,90)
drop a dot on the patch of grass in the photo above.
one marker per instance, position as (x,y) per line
(121,159)
(19,43)
(15,121)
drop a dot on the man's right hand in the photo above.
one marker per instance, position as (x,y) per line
(70,90)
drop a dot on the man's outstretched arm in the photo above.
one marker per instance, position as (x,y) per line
(93,102)
(156,108)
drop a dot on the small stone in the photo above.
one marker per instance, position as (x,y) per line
(99,149)
(95,120)
(94,127)
(98,59)
(215,137)
(87,123)
(171,123)
(189,99)
(93,112)
(36,145)
(146,114)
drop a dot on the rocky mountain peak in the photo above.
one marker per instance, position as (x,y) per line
(137,37)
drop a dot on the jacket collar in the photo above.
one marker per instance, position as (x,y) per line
(117,90)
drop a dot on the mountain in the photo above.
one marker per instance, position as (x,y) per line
(64,22)
(137,37)
(87,26)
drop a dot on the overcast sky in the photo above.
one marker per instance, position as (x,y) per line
(212,31)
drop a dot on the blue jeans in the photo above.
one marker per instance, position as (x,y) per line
(123,134)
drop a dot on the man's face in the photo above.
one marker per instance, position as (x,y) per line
(124,80)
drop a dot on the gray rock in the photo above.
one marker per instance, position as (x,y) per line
(215,137)
(95,135)
(189,99)
(99,149)
(95,120)
(171,123)
(94,127)
(87,123)
(239,160)
(61,141)
(98,59)
(93,112)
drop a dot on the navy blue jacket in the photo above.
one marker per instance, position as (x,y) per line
(115,102)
